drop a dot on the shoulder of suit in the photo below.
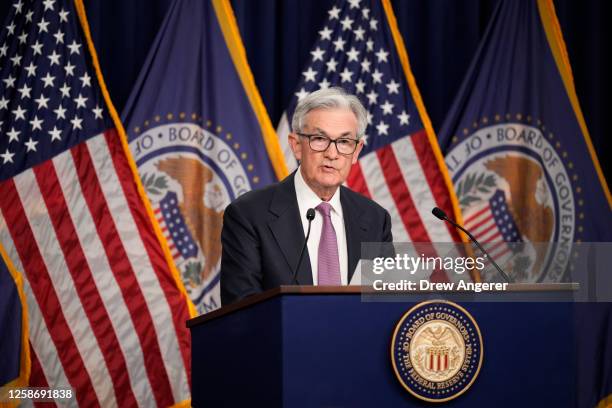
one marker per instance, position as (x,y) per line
(255,198)
(361,201)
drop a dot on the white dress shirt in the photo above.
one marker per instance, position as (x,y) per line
(306,199)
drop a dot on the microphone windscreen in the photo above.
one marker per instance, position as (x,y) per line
(438,213)
(310,214)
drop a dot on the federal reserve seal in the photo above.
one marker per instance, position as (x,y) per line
(515,186)
(191,173)
(437,350)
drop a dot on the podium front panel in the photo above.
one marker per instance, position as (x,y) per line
(334,350)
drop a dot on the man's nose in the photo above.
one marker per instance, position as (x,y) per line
(332,151)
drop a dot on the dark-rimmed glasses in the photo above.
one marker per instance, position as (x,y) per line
(320,143)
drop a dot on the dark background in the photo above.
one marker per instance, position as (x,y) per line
(441,37)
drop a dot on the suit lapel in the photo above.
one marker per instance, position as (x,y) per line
(356,227)
(288,230)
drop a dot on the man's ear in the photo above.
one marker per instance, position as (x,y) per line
(357,151)
(296,146)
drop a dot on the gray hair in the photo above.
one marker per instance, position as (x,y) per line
(330,98)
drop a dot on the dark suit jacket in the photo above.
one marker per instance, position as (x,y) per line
(263,235)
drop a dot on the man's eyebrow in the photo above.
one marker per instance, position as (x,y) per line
(343,135)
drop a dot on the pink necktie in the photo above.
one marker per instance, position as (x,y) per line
(329,262)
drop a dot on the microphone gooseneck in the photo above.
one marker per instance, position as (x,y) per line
(310,214)
(440,214)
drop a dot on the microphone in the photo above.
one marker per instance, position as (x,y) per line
(310,214)
(440,214)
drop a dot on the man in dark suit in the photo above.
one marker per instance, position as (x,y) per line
(264,230)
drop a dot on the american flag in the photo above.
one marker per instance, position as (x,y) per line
(493,226)
(106,315)
(359,48)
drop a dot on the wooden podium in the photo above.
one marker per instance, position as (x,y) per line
(330,347)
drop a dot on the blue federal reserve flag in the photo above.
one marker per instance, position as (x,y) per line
(519,151)
(200,136)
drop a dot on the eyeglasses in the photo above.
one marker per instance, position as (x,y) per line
(320,143)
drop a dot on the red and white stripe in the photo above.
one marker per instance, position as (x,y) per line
(40,338)
(105,315)
(405,179)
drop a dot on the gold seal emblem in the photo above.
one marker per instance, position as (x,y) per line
(437,350)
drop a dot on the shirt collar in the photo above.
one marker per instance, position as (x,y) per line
(307,198)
